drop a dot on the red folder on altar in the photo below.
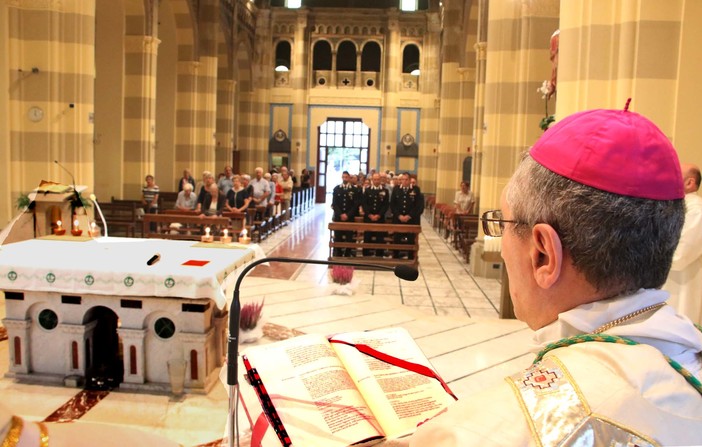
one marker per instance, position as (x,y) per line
(356,389)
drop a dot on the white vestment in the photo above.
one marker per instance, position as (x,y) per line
(685,278)
(612,387)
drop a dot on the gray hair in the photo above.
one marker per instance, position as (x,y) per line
(188,187)
(620,243)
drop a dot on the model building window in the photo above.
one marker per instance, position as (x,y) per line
(164,328)
(48,319)
(282,56)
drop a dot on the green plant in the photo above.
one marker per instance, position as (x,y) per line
(23,202)
(546,91)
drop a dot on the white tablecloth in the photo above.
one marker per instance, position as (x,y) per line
(118,266)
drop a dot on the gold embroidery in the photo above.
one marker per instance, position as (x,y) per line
(43,434)
(558,413)
(13,435)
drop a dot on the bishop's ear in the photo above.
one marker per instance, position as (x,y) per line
(546,255)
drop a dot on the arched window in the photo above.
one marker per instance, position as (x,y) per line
(346,56)
(282,56)
(18,351)
(370,57)
(410,60)
(322,56)
(193,365)
(74,355)
(132,360)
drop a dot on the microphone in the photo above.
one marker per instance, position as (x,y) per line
(102,216)
(75,191)
(404,272)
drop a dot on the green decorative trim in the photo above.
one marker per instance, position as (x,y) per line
(169,282)
(89,280)
(50,278)
(128,281)
(583,338)
(12,275)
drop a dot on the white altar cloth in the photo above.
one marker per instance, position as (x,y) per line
(118,267)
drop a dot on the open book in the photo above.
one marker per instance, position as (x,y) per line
(317,391)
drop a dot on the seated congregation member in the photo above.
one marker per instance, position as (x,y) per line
(238,197)
(407,206)
(375,202)
(589,224)
(186,200)
(213,204)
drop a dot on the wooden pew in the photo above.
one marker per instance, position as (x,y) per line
(358,246)
(193,227)
(121,216)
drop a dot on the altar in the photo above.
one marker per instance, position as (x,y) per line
(134,313)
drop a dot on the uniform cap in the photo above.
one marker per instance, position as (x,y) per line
(617,151)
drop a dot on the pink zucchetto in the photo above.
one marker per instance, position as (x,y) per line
(613,150)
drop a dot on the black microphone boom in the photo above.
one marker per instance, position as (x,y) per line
(79,202)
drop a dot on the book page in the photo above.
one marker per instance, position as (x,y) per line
(315,398)
(400,399)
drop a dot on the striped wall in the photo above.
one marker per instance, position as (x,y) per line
(517,63)
(646,50)
(48,62)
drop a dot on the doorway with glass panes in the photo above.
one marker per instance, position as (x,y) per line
(343,146)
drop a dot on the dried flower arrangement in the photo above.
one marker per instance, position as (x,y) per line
(342,274)
(250,315)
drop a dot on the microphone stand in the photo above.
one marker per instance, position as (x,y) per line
(401,271)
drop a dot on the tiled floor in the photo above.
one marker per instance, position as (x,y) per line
(451,314)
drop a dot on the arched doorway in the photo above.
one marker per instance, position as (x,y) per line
(104,362)
(343,146)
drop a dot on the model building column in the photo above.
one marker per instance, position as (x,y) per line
(133,354)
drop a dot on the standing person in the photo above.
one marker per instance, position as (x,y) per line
(185,179)
(345,205)
(305,179)
(375,202)
(685,278)
(238,197)
(464,199)
(286,182)
(186,200)
(407,206)
(207,181)
(589,224)
(225,182)
(261,189)
(149,195)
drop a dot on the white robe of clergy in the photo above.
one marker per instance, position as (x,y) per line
(685,278)
(599,392)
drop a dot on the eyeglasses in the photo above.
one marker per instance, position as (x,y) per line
(493,223)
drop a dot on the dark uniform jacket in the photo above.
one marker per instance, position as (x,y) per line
(375,201)
(345,199)
(407,202)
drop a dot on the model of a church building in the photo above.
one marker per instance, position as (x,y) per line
(93,312)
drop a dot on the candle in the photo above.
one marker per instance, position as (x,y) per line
(93,226)
(207,237)
(225,232)
(207,231)
(76,224)
(58,224)
(225,239)
(243,238)
(58,230)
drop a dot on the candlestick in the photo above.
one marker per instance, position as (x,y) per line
(207,237)
(225,239)
(59,231)
(243,238)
